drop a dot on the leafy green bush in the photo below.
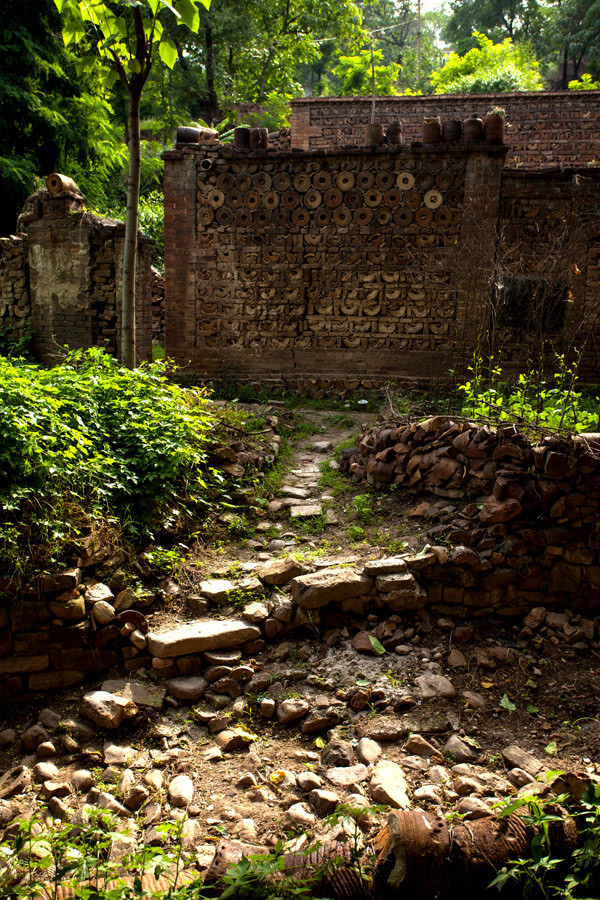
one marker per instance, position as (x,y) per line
(90,439)
(151,222)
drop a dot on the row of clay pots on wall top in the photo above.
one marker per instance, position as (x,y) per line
(434,131)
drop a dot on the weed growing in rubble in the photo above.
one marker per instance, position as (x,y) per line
(552,871)
(554,403)
(362,507)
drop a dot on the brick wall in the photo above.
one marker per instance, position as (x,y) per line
(546,127)
(62,279)
(15,306)
(549,250)
(338,266)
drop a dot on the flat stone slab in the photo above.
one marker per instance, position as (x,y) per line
(328,586)
(391,565)
(210,634)
(142,693)
(216,589)
(298,493)
(306,511)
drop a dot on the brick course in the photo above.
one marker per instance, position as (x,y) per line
(547,127)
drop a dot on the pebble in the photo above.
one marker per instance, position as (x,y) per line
(103,612)
(460,750)
(292,710)
(299,814)
(181,791)
(368,751)
(323,802)
(388,785)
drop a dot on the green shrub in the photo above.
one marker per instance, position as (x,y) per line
(89,439)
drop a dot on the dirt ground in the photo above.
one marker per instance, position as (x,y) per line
(535,692)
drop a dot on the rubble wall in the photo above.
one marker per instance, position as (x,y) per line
(526,529)
(547,127)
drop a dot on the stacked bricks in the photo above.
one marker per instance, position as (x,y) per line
(15,305)
(342,266)
(526,531)
(547,128)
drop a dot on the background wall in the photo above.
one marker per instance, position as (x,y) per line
(357,263)
(547,127)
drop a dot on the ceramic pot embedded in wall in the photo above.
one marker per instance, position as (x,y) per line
(263,138)
(493,128)
(373,134)
(451,131)
(431,130)
(254,138)
(188,135)
(472,129)
(241,139)
(394,133)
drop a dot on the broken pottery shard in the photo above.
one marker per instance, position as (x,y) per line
(210,634)
(329,586)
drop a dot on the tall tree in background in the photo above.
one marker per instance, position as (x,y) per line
(49,118)
(575,32)
(519,20)
(121,38)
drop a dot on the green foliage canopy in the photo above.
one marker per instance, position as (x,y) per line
(489,68)
(355,74)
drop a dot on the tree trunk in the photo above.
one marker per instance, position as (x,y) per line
(213,100)
(565,69)
(128,354)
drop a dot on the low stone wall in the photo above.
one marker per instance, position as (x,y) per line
(60,279)
(15,301)
(526,528)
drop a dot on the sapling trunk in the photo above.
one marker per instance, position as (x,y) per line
(128,352)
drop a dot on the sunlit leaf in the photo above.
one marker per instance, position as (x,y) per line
(168,52)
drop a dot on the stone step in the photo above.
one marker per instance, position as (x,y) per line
(206,634)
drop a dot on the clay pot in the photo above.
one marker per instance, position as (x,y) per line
(373,134)
(188,135)
(254,138)
(493,128)
(241,139)
(431,130)
(451,131)
(394,133)
(472,130)
(263,138)
(57,183)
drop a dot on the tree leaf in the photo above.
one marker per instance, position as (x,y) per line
(168,52)
(507,703)
(363,682)
(377,645)
(320,742)
(189,14)
(551,748)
